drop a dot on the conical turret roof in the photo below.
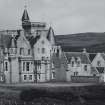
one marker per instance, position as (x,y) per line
(25,16)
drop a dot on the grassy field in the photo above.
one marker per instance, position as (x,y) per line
(52,94)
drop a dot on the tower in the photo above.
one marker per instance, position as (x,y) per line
(12,47)
(51,36)
(26,24)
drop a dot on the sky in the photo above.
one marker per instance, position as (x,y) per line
(65,16)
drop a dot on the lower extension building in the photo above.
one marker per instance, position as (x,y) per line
(31,55)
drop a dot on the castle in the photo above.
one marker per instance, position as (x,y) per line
(31,55)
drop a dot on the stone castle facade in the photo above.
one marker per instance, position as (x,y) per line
(31,55)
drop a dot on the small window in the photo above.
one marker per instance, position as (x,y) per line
(42,41)
(27,66)
(72,63)
(43,50)
(29,51)
(98,63)
(38,50)
(30,77)
(25,77)
(78,63)
(85,67)
(21,51)
(6,66)
(43,58)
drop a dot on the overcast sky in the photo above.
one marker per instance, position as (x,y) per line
(65,16)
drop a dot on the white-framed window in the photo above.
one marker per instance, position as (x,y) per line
(30,77)
(25,77)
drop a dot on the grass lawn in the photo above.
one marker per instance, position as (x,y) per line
(52,94)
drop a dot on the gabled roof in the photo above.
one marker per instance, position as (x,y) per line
(92,56)
(100,69)
(25,16)
(83,57)
(33,40)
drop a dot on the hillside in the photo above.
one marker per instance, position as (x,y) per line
(93,42)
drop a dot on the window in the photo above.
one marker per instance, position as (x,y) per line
(29,51)
(42,41)
(43,58)
(75,73)
(6,66)
(85,67)
(21,51)
(27,66)
(78,63)
(38,76)
(72,63)
(25,77)
(43,50)
(53,75)
(30,77)
(38,50)
(38,32)
(23,66)
(98,63)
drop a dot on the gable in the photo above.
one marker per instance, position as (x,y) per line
(23,42)
(97,59)
(43,42)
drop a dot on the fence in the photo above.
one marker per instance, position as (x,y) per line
(85,79)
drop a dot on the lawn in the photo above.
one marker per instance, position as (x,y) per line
(52,94)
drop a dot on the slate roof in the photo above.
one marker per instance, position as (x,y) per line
(100,69)
(33,40)
(83,57)
(25,16)
(92,56)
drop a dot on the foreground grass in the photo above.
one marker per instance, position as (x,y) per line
(58,95)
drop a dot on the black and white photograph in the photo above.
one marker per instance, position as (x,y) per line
(52,52)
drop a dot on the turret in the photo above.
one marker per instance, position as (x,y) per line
(51,36)
(26,24)
(12,46)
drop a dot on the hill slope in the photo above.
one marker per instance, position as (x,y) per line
(93,42)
